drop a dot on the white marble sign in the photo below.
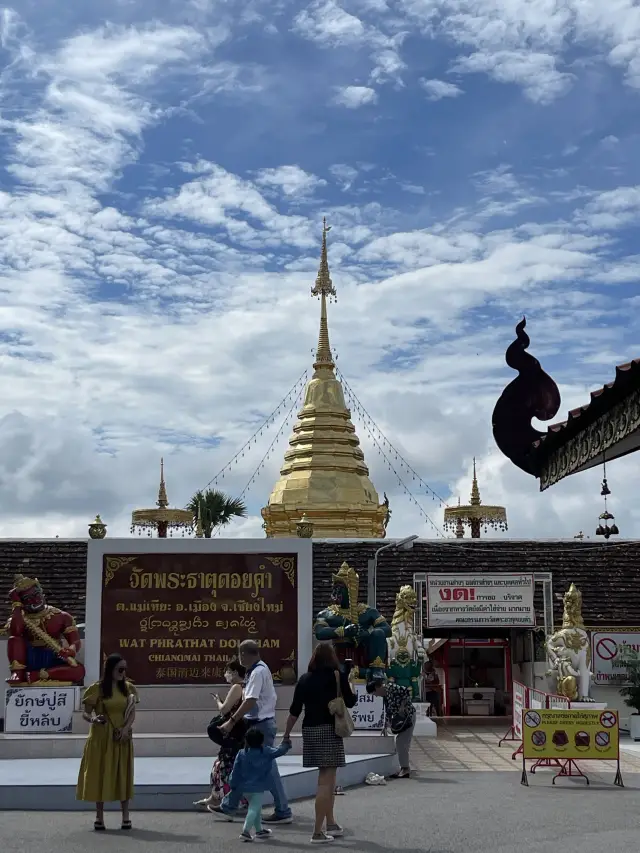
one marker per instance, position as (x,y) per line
(39,710)
(368,712)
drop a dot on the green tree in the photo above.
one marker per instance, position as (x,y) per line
(217,509)
(630,691)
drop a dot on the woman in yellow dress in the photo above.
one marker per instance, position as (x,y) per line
(106,770)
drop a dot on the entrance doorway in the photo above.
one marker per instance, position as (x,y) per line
(475,676)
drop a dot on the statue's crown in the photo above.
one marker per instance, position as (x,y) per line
(21,583)
(345,575)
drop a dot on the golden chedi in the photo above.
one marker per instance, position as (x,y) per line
(324,476)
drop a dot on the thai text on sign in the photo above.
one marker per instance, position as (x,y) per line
(179,618)
(583,734)
(368,712)
(499,600)
(607,666)
(39,710)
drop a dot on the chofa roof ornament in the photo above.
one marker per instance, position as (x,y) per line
(532,394)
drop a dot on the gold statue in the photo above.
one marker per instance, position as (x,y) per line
(569,652)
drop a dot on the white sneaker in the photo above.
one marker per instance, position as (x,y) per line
(263,835)
(335,830)
(321,838)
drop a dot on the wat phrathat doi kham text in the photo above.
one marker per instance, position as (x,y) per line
(195,618)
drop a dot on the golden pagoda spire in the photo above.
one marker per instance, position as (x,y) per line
(324,288)
(324,478)
(475,491)
(163,500)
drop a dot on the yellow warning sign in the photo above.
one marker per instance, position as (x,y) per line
(561,734)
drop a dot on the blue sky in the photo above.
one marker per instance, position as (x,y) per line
(165,170)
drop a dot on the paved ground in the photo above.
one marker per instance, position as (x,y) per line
(466,796)
(458,749)
(483,812)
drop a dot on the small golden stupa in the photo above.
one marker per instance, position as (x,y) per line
(162,519)
(475,514)
(324,477)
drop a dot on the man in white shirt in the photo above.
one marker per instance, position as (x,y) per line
(258,708)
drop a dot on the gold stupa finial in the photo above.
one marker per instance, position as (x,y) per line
(475,491)
(324,288)
(572,614)
(162,501)
(199,527)
(324,475)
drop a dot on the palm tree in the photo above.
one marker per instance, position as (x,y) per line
(217,509)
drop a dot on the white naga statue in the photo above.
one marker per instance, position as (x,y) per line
(404,641)
(569,651)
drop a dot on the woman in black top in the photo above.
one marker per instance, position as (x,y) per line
(321,746)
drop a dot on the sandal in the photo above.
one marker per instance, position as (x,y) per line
(126,824)
(98,826)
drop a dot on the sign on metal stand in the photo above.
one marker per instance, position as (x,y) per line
(565,736)
(520,697)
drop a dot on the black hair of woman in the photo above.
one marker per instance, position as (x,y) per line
(234,665)
(113,666)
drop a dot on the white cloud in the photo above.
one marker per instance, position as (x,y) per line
(353,97)
(327,23)
(536,73)
(291,180)
(438,89)
(155,271)
(344,173)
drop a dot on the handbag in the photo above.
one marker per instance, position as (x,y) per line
(402,719)
(117,733)
(342,719)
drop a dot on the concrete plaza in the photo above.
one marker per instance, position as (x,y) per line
(483,812)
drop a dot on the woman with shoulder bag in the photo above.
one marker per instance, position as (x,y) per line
(230,744)
(401,718)
(324,693)
(106,770)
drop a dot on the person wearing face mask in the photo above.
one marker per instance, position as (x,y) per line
(230,743)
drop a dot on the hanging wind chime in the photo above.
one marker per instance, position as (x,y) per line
(603,528)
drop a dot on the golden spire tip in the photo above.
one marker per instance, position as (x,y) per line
(162,491)
(324,288)
(475,491)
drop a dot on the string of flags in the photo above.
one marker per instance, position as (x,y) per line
(287,420)
(293,393)
(370,424)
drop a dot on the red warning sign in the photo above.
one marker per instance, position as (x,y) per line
(607,648)
(608,719)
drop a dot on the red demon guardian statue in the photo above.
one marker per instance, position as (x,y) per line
(43,641)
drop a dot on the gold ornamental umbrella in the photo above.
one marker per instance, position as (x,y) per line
(474,515)
(162,518)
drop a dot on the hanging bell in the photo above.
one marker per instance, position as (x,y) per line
(599,530)
(614,530)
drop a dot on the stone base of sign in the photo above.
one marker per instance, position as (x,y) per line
(184,709)
(175,721)
(51,785)
(169,745)
(425,727)
(587,706)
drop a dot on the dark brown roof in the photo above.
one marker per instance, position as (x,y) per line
(602,400)
(59,564)
(607,575)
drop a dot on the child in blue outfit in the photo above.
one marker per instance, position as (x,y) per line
(250,776)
